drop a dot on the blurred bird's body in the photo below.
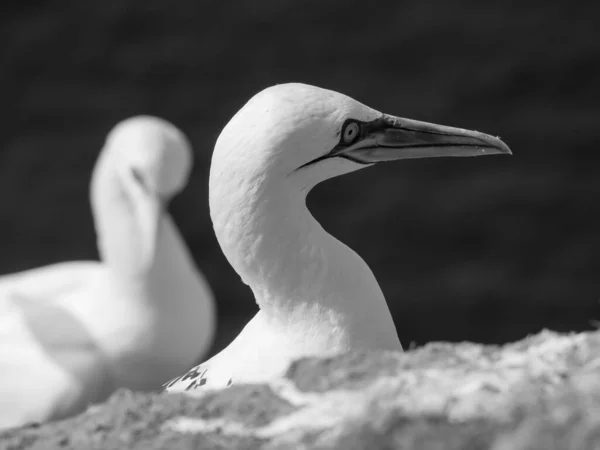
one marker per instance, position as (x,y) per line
(316,295)
(73,332)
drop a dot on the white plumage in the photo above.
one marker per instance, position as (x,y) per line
(316,295)
(72,332)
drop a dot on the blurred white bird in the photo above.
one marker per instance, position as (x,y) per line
(316,296)
(73,332)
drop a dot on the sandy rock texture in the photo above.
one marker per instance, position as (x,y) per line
(542,392)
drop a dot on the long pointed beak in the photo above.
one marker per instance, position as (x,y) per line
(390,138)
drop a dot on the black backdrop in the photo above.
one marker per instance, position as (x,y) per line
(485,249)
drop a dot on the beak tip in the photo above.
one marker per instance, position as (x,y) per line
(501,147)
(506,150)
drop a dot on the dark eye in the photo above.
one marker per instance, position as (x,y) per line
(350,132)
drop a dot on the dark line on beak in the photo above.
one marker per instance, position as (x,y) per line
(354,160)
(364,163)
(441,144)
(438,133)
(316,160)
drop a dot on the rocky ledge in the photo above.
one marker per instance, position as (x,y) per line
(540,393)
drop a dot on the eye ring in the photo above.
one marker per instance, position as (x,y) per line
(351,132)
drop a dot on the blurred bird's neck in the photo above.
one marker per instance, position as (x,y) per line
(120,242)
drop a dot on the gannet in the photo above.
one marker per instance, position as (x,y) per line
(315,295)
(73,332)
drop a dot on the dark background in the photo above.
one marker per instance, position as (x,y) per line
(486,249)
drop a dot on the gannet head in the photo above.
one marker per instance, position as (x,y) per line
(153,155)
(152,160)
(304,134)
(284,141)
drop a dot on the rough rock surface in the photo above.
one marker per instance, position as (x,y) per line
(542,392)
